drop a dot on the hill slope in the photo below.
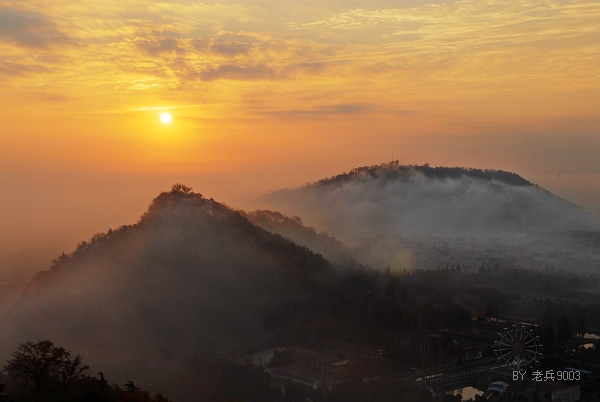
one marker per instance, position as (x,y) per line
(392,199)
(191,277)
(293,228)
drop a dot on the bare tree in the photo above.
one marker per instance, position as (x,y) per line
(31,365)
(41,365)
(69,369)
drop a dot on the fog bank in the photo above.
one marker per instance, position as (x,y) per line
(390,200)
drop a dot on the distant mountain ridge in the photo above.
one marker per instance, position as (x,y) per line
(392,199)
(394,171)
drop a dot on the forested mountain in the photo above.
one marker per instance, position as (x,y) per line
(393,199)
(394,171)
(191,277)
(293,228)
(168,301)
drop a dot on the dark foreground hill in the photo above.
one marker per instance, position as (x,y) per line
(191,277)
(392,199)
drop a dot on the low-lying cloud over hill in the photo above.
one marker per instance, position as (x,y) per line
(392,199)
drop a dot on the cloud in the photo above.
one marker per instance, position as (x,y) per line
(326,110)
(200,44)
(53,97)
(227,48)
(230,56)
(484,42)
(465,23)
(152,108)
(230,48)
(382,55)
(260,71)
(17,69)
(235,72)
(31,30)
(155,46)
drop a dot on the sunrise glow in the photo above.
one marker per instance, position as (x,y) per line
(165,118)
(424,80)
(159,159)
(272,94)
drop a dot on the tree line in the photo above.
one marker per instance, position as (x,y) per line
(394,171)
(42,372)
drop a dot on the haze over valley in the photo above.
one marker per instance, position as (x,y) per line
(194,278)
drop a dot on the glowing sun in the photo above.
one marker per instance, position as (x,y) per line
(165,118)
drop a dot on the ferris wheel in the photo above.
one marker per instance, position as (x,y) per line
(518,347)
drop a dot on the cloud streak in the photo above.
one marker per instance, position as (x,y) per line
(30,30)
(19,70)
(233,72)
(342,109)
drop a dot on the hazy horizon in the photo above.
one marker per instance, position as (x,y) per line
(265,95)
(46,214)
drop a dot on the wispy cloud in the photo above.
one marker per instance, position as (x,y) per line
(326,110)
(17,69)
(152,108)
(419,52)
(230,48)
(234,72)
(479,40)
(155,108)
(30,29)
(156,46)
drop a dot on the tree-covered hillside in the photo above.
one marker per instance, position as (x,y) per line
(191,276)
(394,171)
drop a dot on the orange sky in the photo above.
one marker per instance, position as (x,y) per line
(272,93)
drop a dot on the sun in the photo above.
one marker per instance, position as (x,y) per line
(165,118)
